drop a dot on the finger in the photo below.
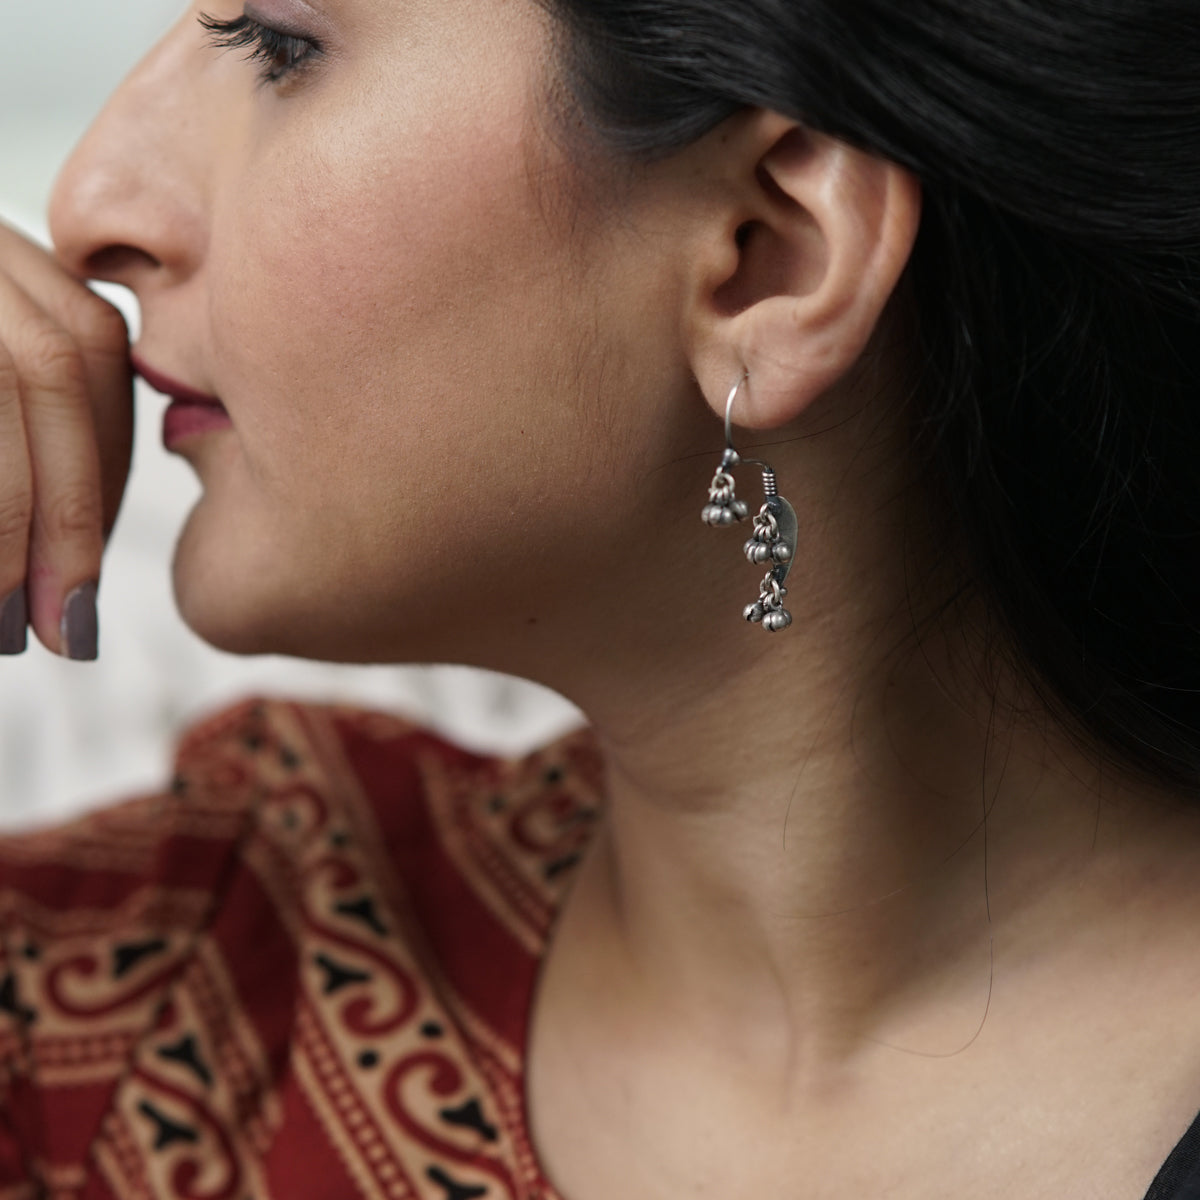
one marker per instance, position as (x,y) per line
(16,509)
(102,336)
(66,539)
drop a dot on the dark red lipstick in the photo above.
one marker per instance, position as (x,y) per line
(190,412)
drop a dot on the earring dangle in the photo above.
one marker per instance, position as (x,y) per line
(775,527)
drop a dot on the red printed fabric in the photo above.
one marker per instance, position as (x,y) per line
(303,973)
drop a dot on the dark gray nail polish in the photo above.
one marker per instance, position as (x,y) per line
(13,618)
(80,626)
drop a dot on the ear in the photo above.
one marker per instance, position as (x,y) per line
(796,266)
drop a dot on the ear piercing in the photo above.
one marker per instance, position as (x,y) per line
(775,527)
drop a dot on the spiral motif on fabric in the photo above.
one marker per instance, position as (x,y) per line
(357,1015)
(546,825)
(185,1173)
(307,808)
(447,1079)
(87,967)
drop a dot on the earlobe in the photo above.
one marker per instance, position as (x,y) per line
(822,238)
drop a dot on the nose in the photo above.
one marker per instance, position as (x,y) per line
(129,205)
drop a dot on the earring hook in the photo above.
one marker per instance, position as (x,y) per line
(737,387)
(732,457)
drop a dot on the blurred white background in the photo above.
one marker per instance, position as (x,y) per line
(75,736)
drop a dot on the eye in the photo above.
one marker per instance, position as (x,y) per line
(278,54)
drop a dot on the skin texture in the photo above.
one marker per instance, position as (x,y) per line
(354,397)
(476,391)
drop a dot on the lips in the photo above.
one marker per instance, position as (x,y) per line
(190,412)
(172,387)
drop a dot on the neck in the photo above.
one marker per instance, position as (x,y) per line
(817,840)
(819,837)
(820,874)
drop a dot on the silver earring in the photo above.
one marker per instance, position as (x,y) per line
(775,527)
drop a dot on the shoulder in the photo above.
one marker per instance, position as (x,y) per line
(395,785)
(321,898)
(226,763)
(285,819)
(292,772)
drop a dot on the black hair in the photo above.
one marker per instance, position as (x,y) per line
(1056,283)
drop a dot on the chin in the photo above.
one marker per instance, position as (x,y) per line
(248,625)
(251,586)
(258,607)
(221,595)
(220,620)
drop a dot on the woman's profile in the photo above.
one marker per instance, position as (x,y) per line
(805,389)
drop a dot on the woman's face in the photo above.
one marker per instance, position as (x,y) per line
(445,369)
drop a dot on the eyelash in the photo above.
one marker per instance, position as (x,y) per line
(279,54)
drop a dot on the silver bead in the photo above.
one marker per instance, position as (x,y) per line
(781,552)
(740,510)
(777,620)
(753,612)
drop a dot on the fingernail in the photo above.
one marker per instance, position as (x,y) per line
(80,627)
(13,618)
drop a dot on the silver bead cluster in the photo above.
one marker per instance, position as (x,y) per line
(767,545)
(723,507)
(768,608)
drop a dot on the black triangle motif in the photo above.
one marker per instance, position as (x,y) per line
(470,1116)
(559,865)
(125,958)
(455,1190)
(364,911)
(167,1133)
(337,976)
(9,1002)
(187,1052)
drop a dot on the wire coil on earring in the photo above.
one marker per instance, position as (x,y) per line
(775,526)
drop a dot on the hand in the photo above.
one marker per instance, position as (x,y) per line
(66,433)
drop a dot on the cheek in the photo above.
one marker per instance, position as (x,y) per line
(386,341)
(352,292)
(351,263)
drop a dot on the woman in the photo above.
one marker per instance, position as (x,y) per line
(454,299)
